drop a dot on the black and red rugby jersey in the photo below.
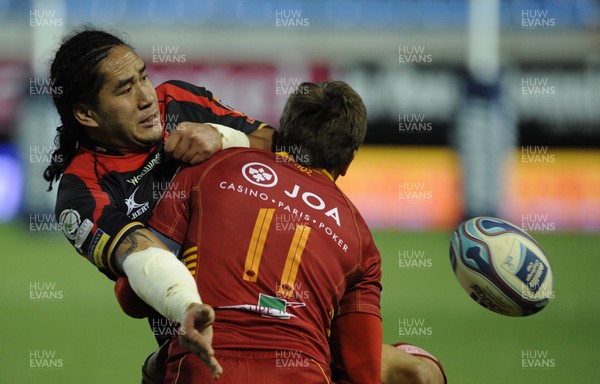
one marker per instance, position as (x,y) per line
(104,194)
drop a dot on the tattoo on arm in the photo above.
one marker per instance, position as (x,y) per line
(132,242)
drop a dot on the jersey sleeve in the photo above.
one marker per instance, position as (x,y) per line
(356,349)
(364,295)
(180,101)
(171,216)
(91,221)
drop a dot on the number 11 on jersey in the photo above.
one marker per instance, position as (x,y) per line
(256,248)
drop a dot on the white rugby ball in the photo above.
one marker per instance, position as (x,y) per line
(501,267)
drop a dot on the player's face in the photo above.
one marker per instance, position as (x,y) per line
(127,111)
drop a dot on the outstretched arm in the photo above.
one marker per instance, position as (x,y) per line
(164,283)
(356,348)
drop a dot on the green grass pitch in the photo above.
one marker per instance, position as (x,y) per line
(60,322)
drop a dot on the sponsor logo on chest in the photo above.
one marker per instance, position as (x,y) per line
(135,209)
(157,159)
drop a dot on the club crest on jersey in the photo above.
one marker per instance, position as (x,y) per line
(69,220)
(134,209)
(260,174)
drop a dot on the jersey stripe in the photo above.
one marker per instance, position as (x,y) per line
(180,93)
(322,370)
(192,268)
(189,251)
(179,369)
(292,262)
(257,244)
(190,259)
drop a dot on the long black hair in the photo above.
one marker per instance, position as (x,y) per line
(74,71)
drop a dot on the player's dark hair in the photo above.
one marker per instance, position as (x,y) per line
(75,72)
(322,125)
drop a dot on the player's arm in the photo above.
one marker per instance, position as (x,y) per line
(261,138)
(159,278)
(356,335)
(356,348)
(163,282)
(193,143)
(104,234)
(155,274)
(210,125)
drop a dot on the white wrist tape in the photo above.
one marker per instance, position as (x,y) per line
(162,281)
(231,137)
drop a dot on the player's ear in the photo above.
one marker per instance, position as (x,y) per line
(274,139)
(85,115)
(344,169)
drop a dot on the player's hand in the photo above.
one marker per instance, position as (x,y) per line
(196,335)
(193,143)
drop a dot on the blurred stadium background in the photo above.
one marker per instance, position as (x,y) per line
(475,108)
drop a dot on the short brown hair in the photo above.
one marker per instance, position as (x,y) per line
(322,125)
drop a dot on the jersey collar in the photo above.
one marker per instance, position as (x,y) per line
(322,171)
(104,149)
(95,146)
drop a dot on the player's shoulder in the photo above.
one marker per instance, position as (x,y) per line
(174,86)
(81,167)
(258,157)
(226,160)
(241,153)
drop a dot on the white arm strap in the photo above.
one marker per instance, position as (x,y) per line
(162,281)
(231,137)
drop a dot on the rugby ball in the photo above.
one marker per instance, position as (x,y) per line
(501,267)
